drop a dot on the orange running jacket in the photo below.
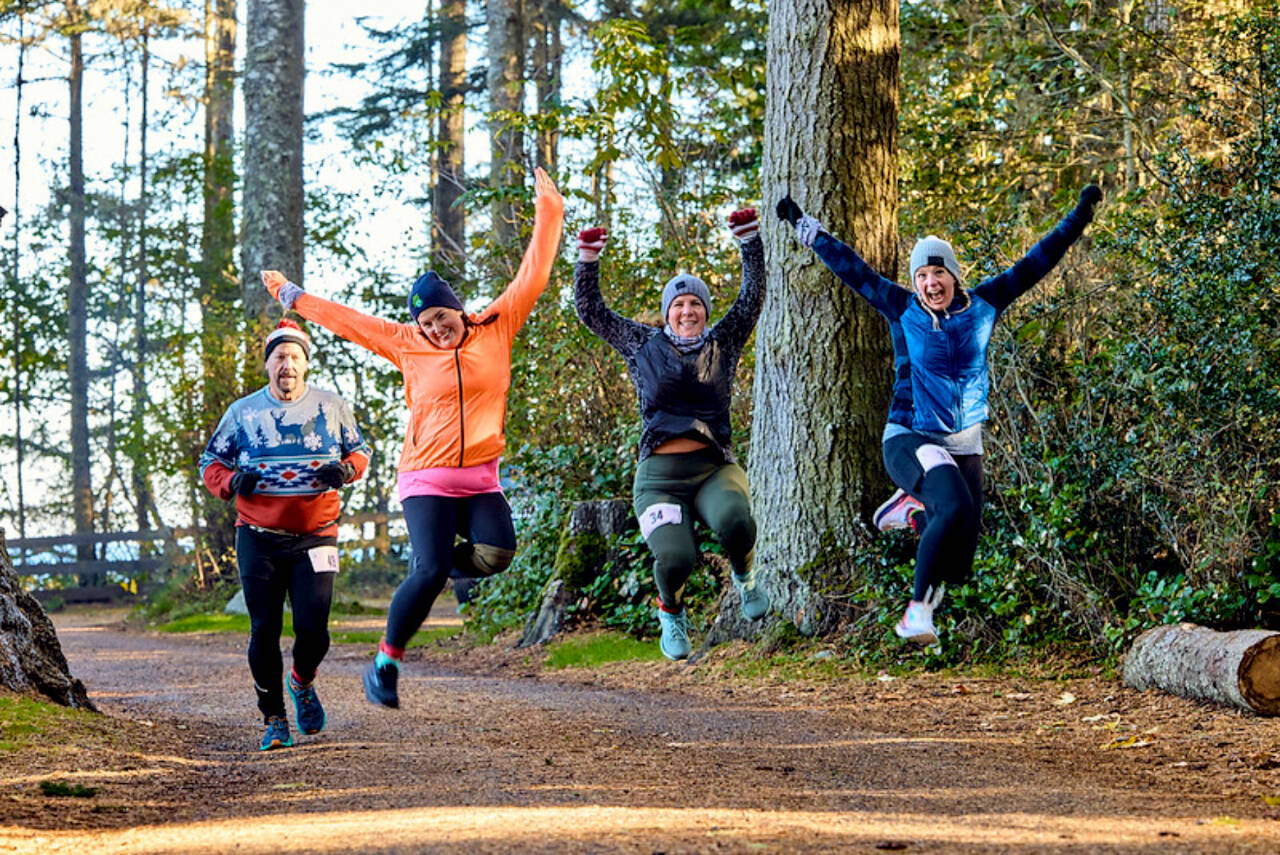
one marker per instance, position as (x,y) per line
(457,398)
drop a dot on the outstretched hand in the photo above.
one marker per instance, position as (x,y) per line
(281,288)
(543,185)
(788,210)
(591,242)
(1090,196)
(744,224)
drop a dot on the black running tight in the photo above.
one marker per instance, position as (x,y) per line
(950,488)
(271,566)
(434,522)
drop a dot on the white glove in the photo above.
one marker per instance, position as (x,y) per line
(807,230)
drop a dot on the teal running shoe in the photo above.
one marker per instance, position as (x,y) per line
(674,642)
(306,707)
(276,734)
(380,685)
(755,602)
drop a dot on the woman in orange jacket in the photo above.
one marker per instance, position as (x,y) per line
(457,368)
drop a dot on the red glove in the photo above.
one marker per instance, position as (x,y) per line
(590,242)
(744,224)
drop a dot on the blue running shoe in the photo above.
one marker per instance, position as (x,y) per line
(276,734)
(380,685)
(674,642)
(306,707)
(755,602)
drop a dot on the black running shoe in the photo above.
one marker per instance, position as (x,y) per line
(380,685)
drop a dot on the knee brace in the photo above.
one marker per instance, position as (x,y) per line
(481,559)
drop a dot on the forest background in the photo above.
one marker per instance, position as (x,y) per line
(1133,453)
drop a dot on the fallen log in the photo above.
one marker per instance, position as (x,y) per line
(1239,668)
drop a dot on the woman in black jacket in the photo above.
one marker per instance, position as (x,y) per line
(683,374)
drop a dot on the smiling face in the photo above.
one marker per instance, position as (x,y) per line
(287,371)
(687,316)
(442,326)
(935,286)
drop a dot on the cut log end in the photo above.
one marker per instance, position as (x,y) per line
(1260,676)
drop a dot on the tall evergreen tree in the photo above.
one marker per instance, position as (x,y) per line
(823,366)
(78,288)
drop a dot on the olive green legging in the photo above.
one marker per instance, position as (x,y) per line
(670,491)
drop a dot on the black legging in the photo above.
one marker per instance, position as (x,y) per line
(483,520)
(271,566)
(950,487)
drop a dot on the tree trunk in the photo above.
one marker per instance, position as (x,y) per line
(220,334)
(272,224)
(1239,668)
(77,297)
(449,219)
(588,544)
(822,385)
(19,447)
(143,501)
(31,658)
(506,95)
(548,54)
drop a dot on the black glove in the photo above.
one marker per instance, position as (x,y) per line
(334,475)
(244,482)
(788,210)
(1091,195)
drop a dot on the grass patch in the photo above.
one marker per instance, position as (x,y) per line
(217,623)
(59,788)
(422,638)
(599,649)
(24,722)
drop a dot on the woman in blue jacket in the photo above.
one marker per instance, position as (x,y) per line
(936,459)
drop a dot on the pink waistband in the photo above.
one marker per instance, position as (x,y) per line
(453,481)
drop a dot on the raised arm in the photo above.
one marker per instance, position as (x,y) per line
(383,337)
(884,294)
(1001,290)
(735,327)
(517,300)
(622,334)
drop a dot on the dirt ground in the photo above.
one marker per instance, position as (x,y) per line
(492,753)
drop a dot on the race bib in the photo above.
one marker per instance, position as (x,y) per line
(934,455)
(663,513)
(324,559)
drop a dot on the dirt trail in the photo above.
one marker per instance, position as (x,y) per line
(492,754)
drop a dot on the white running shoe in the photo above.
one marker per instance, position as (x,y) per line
(896,513)
(917,621)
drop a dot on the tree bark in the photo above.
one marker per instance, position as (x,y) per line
(143,501)
(31,659)
(19,446)
(272,222)
(587,545)
(77,298)
(548,55)
(506,95)
(449,219)
(822,385)
(1239,668)
(220,333)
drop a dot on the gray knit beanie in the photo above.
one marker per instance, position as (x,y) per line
(685,283)
(934,251)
